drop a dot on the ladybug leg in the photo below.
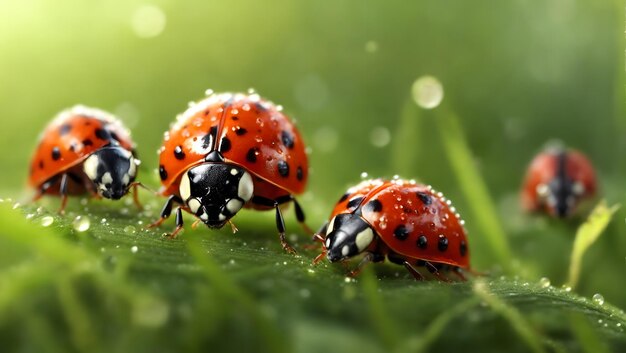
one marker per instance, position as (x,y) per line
(167,210)
(367,258)
(412,270)
(300,216)
(179,224)
(63,192)
(280,221)
(435,271)
(45,187)
(457,271)
(233,227)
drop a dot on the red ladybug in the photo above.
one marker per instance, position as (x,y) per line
(230,151)
(557,180)
(84,150)
(409,223)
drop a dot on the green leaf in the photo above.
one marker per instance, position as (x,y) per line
(586,235)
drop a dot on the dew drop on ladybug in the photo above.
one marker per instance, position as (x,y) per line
(557,181)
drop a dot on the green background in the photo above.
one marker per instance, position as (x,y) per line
(516,75)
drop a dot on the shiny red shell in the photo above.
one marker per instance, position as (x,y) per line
(405,211)
(545,167)
(251,132)
(70,138)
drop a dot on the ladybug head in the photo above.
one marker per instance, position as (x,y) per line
(112,170)
(561,196)
(215,192)
(347,235)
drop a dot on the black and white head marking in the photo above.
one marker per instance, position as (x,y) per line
(347,235)
(215,192)
(112,170)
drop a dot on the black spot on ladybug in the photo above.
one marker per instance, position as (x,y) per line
(73,147)
(355,202)
(373,206)
(114,136)
(426,199)
(344,197)
(41,165)
(287,139)
(87,122)
(102,134)
(422,242)
(178,153)
(241,131)
(259,107)
(206,112)
(87,142)
(299,173)
(234,118)
(224,145)
(251,155)
(283,169)
(64,129)
(401,233)
(162,172)
(463,248)
(207,141)
(442,245)
(56,153)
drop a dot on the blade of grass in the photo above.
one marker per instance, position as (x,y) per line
(402,158)
(512,315)
(229,289)
(436,327)
(586,235)
(378,315)
(473,186)
(586,335)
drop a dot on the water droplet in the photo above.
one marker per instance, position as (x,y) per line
(148,21)
(208,92)
(598,299)
(427,92)
(103,221)
(364,175)
(134,249)
(16,205)
(305,293)
(81,223)
(234,111)
(544,282)
(380,136)
(130,230)
(371,46)
(251,91)
(47,221)
(567,288)
(279,108)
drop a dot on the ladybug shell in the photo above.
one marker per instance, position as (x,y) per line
(251,133)
(402,211)
(70,138)
(545,167)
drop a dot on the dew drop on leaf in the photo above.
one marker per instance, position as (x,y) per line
(134,249)
(427,92)
(598,299)
(81,224)
(544,282)
(130,230)
(47,221)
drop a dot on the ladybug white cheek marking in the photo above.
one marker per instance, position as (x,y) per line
(364,239)
(578,188)
(246,187)
(184,188)
(125,179)
(194,205)
(329,229)
(345,250)
(107,178)
(90,167)
(233,206)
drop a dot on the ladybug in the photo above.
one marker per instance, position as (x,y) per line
(84,150)
(408,223)
(227,152)
(557,180)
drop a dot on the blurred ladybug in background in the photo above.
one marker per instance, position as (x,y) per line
(557,180)
(409,223)
(84,150)
(229,151)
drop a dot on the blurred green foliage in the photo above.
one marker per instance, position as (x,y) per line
(516,74)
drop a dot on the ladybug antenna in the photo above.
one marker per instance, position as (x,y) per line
(214,156)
